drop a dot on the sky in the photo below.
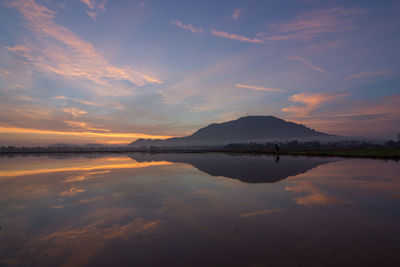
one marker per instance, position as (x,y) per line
(110,72)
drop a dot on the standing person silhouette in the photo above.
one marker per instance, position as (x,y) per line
(276,148)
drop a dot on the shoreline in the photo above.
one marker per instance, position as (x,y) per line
(385,154)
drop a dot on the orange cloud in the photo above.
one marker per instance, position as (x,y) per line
(6,72)
(72,191)
(85,125)
(378,118)
(259,88)
(84,177)
(95,7)
(305,62)
(311,101)
(315,195)
(99,136)
(85,166)
(236,37)
(189,27)
(57,50)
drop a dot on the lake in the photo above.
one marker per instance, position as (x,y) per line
(192,209)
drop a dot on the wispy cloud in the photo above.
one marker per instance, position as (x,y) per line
(236,13)
(96,7)
(325,45)
(351,118)
(236,37)
(74,112)
(89,103)
(260,212)
(57,50)
(23,98)
(189,27)
(6,72)
(306,25)
(60,97)
(85,125)
(377,118)
(310,101)
(366,73)
(72,191)
(305,62)
(259,88)
(314,23)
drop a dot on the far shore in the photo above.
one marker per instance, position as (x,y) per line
(379,153)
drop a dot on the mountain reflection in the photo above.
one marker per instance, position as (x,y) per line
(246,168)
(155,210)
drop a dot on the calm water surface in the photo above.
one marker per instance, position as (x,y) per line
(198,210)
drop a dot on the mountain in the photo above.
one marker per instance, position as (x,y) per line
(242,130)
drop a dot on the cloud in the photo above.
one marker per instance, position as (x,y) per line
(311,101)
(111,226)
(56,50)
(102,137)
(306,25)
(366,73)
(236,13)
(379,118)
(96,7)
(260,212)
(71,191)
(259,88)
(60,97)
(85,125)
(85,177)
(315,195)
(314,23)
(6,72)
(189,27)
(325,45)
(23,98)
(74,112)
(82,166)
(89,103)
(236,37)
(305,62)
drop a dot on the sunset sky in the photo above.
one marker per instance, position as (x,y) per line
(97,71)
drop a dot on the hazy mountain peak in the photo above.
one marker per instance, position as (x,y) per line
(243,129)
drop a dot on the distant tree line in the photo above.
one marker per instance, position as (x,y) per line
(309,145)
(234,147)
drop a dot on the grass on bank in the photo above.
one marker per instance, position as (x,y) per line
(362,153)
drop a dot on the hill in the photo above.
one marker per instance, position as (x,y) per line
(242,130)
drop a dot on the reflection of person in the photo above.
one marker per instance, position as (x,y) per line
(277,159)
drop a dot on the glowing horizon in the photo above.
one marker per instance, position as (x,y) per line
(122,138)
